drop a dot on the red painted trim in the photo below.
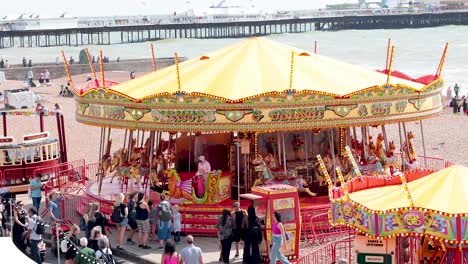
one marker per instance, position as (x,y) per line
(41,121)
(4,124)
(64,139)
(59,136)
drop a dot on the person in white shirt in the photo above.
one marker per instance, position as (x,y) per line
(34,238)
(191,254)
(47,77)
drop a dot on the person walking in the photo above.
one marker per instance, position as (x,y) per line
(164,214)
(47,77)
(253,236)
(176,223)
(85,217)
(142,215)
(72,243)
(465,105)
(131,217)
(19,225)
(170,255)
(104,253)
(152,220)
(96,234)
(456,90)
(120,218)
(224,226)
(91,220)
(278,237)
(35,187)
(237,216)
(85,253)
(101,219)
(454,105)
(24,62)
(191,254)
(34,237)
(31,77)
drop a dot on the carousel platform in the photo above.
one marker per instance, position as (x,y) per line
(197,219)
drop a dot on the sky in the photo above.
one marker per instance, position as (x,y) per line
(54,8)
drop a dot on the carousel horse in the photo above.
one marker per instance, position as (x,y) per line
(144,164)
(105,165)
(264,172)
(154,178)
(179,189)
(409,154)
(135,173)
(118,165)
(373,165)
(392,160)
(303,186)
(379,151)
(270,161)
(412,152)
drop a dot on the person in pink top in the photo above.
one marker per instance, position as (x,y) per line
(278,236)
(169,256)
(449,95)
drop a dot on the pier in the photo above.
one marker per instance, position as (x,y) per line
(170,27)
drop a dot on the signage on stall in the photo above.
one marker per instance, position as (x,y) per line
(7,140)
(35,138)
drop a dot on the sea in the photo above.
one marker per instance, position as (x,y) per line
(417,51)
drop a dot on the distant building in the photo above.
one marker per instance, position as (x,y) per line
(358,4)
(454,4)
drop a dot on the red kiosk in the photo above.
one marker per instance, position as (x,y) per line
(285,200)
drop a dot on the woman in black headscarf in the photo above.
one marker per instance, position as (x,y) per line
(252,238)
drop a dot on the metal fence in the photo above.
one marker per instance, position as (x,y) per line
(329,253)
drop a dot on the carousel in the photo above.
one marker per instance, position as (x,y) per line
(253,114)
(413,218)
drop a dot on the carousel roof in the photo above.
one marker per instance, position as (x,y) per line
(254,67)
(444,191)
(247,87)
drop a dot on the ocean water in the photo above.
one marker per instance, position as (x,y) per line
(417,53)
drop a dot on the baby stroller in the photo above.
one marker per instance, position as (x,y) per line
(63,229)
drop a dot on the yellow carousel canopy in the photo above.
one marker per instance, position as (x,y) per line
(254,67)
(249,87)
(445,191)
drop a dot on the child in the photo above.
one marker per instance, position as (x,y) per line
(176,225)
(152,221)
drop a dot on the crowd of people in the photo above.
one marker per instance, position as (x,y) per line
(44,78)
(4,64)
(458,104)
(146,221)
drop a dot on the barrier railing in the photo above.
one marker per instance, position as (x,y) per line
(92,172)
(322,231)
(329,253)
(306,226)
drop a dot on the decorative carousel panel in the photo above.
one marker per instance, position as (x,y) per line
(418,221)
(464,227)
(346,213)
(179,114)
